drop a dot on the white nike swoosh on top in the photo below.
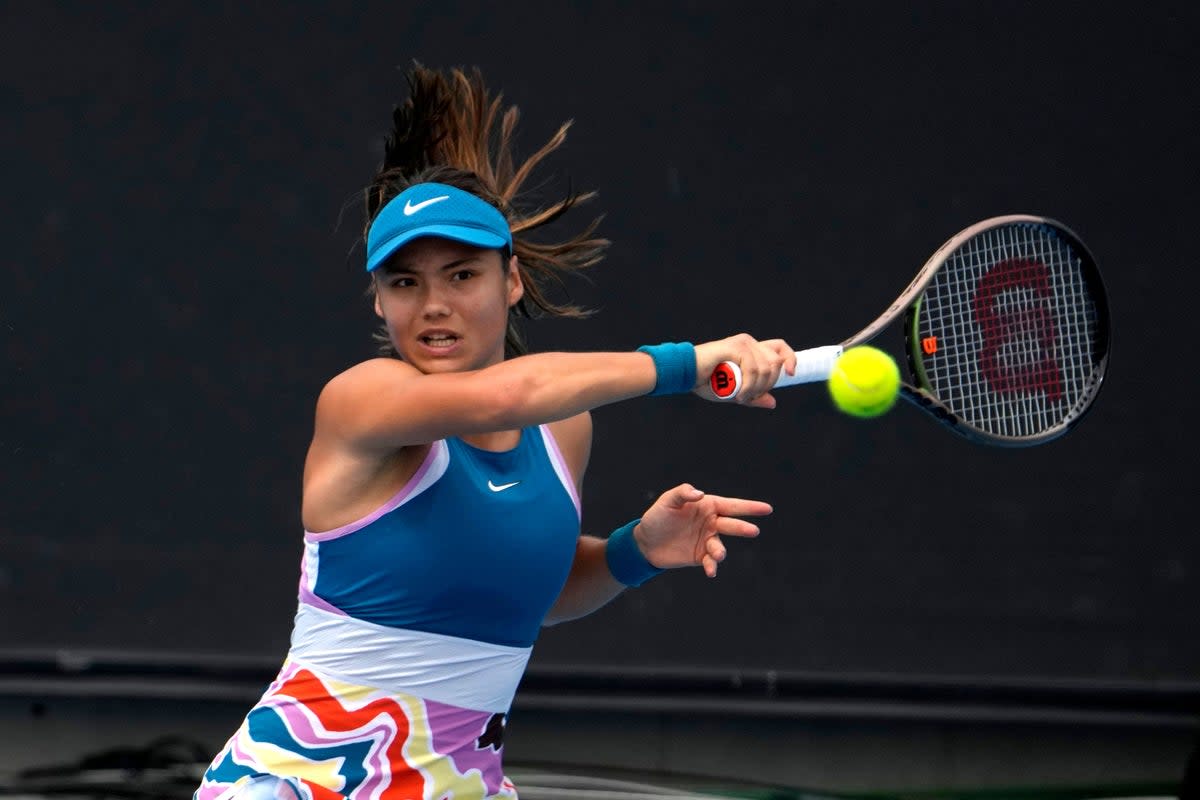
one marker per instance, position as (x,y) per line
(501,487)
(411,208)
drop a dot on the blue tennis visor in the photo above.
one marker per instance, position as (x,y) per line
(435,209)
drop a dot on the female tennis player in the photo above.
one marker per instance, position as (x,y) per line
(441,489)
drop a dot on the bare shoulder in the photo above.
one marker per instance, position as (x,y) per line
(344,480)
(367,375)
(574,438)
(343,397)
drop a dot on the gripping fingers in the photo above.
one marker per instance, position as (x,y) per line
(756,374)
(770,358)
(756,370)
(786,354)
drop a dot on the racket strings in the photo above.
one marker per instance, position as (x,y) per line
(1013,327)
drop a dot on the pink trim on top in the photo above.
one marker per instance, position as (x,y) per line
(561,468)
(398,499)
(307,596)
(309,599)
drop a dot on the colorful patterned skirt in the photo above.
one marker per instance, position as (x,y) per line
(314,737)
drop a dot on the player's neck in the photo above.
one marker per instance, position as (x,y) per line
(496,442)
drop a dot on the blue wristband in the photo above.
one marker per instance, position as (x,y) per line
(625,560)
(675,366)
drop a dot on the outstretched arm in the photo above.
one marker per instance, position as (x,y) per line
(682,529)
(385,404)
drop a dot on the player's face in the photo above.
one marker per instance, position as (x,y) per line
(446,304)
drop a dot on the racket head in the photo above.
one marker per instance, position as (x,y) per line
(1008,337)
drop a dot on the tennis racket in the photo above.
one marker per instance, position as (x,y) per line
(1006,330)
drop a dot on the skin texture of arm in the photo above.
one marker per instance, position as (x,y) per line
(385,404)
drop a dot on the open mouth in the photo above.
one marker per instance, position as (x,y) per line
(439,340)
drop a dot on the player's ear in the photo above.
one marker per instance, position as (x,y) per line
(516,287)
(378,308)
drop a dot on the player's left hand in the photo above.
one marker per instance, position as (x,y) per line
(684,527)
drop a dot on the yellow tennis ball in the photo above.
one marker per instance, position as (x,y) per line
(864,382)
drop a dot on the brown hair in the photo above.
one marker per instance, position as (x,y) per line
(451,130)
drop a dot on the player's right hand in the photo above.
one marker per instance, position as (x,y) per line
(760,363)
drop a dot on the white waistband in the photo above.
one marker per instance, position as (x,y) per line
(445,669)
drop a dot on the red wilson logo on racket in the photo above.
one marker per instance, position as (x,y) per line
(1013,307)
(722,381)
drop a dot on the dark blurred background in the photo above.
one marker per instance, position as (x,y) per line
(182,274)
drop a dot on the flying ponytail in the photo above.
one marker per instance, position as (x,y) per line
(451,130)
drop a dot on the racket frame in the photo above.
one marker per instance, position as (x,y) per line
(725,381)
(909,304)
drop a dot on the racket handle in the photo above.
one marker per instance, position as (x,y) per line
(812,365)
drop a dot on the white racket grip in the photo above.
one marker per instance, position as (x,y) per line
(812,365)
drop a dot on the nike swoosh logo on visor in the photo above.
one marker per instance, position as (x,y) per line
(411,208)
(502,486)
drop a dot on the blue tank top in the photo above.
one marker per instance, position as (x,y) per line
(477,545)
